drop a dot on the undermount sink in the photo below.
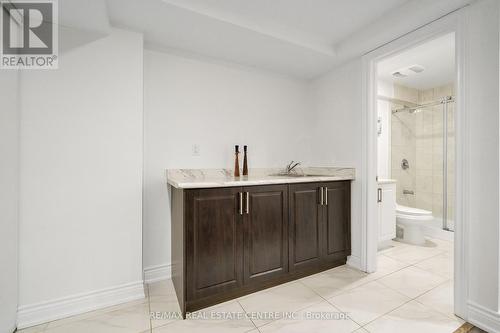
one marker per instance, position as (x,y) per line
(293,175)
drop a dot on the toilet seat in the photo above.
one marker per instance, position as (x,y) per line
(412,213)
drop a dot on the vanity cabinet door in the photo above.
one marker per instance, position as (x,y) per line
(265,221)
(214,241)
(305,234)
(337,220)
(387,212)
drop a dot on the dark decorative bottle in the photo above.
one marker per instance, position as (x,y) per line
(236,161)
(245,162)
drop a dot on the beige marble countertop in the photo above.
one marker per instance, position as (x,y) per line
(208,178)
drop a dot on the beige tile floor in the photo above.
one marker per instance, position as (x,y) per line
(412,291)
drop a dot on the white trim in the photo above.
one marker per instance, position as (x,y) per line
(454,22)
(13,329)
(483,318)
(157,273)
(34,314)
(462,147)
(369,225)
(354,261)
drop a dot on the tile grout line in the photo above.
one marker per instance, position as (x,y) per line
(342,291)
(386,313)
(412,299)
(300,309)
(418,261)
(440,285)
(437,274)
(447,280)
(246,313)
(437,311)
(409,299)
(326,300)
(360,325)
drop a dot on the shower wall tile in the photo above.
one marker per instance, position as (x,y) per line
(424,172)
(418,137)
(437,205)
(424,201)
(403,142)
(432,141)
(423,142)
(405,93)
(424,160)
(424,184)
(425,96)
(437,182)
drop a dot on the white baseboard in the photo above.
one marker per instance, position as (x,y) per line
(483,318)
(157,273)
(34,314)
(354,261)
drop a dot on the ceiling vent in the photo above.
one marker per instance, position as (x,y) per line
(417,68)
(407,71)
(399,75)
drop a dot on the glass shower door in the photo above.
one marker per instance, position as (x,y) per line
(448,164)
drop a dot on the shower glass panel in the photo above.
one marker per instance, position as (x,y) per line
(423,133)
(449,171)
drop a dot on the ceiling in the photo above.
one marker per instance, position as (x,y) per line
(294,37)
(317,22)
(300,38)
(436,56)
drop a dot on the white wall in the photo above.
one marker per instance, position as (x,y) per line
(9,198)
(482,104)
(337,133)
(338,128)
(192,101)
(81,179)
(81,154)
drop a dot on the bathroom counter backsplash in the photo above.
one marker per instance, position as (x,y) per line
(208,178)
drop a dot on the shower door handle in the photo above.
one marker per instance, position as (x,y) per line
(379,195)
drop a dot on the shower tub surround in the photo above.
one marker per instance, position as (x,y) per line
(418,138)
(210,178)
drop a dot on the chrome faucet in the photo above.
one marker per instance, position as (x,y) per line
(292,165)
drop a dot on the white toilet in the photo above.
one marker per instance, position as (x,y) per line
(410,222)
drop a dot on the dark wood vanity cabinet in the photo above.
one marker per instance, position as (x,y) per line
(337,221)
(228,242)
(306,226)
(214,242)
(320,228)
(265,233)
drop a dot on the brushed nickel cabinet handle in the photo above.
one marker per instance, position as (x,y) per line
(326,195)
(248,203)
(241,202)
(321,196)
(379,195)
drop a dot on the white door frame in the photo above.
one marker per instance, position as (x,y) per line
(453,22)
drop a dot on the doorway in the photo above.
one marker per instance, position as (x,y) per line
(435,187)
